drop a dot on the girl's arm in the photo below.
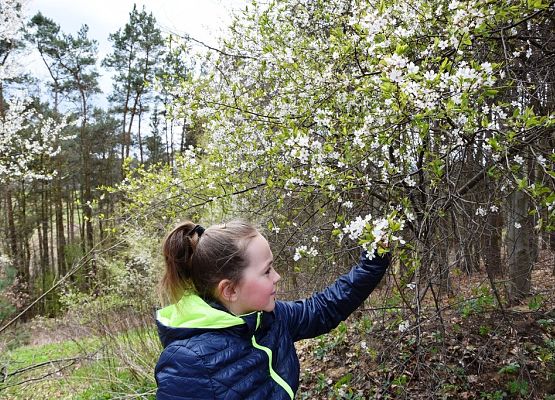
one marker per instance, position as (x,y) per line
(323,311)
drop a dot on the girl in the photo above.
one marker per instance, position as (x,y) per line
(225,336)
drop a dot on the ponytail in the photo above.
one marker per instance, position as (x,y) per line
(178,250)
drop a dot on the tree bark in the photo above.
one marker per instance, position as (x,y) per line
(12,234)
(492,244)
(59,220)
(44,247)
(518,247)
(552,248)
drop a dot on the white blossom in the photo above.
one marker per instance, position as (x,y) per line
(487,68)
(404,326)
(395,75)
(356,227)
(304,251)
(430,75)
(412,68)
(409,181)
(19,152)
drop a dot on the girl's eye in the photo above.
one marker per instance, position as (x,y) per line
(268,271)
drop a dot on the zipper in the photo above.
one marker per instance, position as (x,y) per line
(275,376)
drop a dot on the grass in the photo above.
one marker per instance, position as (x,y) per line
(86,369)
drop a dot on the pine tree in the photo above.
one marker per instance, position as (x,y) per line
(137,48)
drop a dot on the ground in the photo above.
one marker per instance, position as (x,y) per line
(471,349)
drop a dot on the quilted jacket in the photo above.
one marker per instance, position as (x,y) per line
(210,353)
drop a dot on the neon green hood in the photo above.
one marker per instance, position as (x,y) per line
(193,312)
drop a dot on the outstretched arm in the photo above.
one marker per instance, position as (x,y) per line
(323,311)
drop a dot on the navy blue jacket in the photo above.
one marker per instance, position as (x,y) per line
(212,354)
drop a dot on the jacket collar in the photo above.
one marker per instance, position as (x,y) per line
(193,315)
(193,312)
(254,321)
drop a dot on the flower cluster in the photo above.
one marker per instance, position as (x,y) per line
(18,152)
(304,251)
(370,234)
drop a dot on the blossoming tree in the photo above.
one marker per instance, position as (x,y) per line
(26,136)
(372,122)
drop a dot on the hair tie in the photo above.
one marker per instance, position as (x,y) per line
(199,230)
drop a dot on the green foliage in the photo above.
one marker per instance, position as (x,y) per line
(546,322)
(497,395)
(365,324)
(484,300)
(484,330)
(28,355)
(344,380)
(535,302)
(7,278)
(518,387)
(399,384)
(512,368)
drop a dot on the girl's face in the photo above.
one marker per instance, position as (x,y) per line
(256,290)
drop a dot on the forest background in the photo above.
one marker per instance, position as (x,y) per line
(332,125)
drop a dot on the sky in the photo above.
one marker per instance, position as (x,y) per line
(201,19)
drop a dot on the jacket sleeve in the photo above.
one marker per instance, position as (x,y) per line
(323,311)
(181,374)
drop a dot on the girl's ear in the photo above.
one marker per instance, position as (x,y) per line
(226,291)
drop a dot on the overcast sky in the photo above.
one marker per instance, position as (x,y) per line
(202,19)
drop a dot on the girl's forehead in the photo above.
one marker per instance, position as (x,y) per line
(259,248)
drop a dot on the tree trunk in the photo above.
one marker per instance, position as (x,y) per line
(71,214)
(44,247)
(166,132)
(518,247)
(552,248)
(59,218)
(12,234)
(492,244)
(140,117)
(24,247)
(87,189)
(183,137)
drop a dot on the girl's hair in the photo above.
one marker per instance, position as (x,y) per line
(201,262)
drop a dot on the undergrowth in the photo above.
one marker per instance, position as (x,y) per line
(482,353)
(86,369)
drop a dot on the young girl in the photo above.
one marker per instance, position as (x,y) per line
(225,336)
